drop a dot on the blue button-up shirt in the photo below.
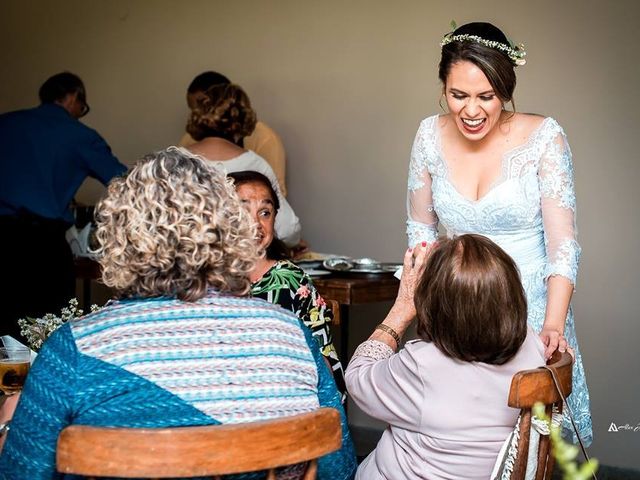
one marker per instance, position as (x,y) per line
(45,155)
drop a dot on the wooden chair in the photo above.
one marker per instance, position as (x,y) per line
(334,305)
(527,388)
(335,309)
(200,451)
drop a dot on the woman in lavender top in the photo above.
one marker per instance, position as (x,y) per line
(444,395)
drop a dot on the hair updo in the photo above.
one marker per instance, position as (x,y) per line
(495,64)
(223,111)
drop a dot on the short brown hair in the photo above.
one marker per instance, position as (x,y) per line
(223,111)
(470,302)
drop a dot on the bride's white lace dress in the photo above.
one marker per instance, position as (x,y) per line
(529,211)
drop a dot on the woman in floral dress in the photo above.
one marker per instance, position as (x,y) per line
(278,280)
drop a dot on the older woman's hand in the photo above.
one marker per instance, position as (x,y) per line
(412,268)
(403,310)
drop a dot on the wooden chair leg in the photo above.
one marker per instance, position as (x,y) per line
(543,461)
(312,470)
(520,466)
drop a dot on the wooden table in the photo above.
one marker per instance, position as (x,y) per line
(355,289)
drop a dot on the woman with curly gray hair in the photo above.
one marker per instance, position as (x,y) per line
(220,120)
(183,231)
(181,345)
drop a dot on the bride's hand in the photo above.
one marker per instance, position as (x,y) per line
(553,340)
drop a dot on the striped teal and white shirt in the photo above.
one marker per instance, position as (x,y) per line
(163,362)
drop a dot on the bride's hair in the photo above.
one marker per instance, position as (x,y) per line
(497,66)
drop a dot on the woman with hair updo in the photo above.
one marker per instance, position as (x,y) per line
(444,395)
(219,121)
(480,168)
(179,346)
(276,279)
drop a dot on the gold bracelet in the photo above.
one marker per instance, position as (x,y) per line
(387,329)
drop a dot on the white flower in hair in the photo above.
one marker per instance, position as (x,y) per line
(515,53)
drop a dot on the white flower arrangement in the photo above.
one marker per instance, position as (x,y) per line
(37,330)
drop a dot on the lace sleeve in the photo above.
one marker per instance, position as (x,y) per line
(373,349)
(558,202)
(422,221)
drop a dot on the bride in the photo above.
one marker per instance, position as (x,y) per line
(505,175)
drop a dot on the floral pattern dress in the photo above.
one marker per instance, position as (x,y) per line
(289,286)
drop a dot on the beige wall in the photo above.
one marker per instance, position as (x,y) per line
(345,84)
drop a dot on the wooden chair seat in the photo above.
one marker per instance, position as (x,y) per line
(183,452)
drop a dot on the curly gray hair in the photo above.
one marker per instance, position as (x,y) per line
(174,226)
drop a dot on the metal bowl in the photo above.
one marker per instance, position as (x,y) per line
(366,263)
(338,264)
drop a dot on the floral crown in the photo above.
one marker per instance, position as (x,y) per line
(515,52)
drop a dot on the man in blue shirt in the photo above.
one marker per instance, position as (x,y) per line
(45,155)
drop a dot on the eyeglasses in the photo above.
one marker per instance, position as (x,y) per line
(82,98)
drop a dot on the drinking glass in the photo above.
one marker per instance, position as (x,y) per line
(14,366)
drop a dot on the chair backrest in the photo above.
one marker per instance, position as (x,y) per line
(527,388)
(335,309)
(183,452)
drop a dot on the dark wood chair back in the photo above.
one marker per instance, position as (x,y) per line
(335,309)
(206,451)
(527,388)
